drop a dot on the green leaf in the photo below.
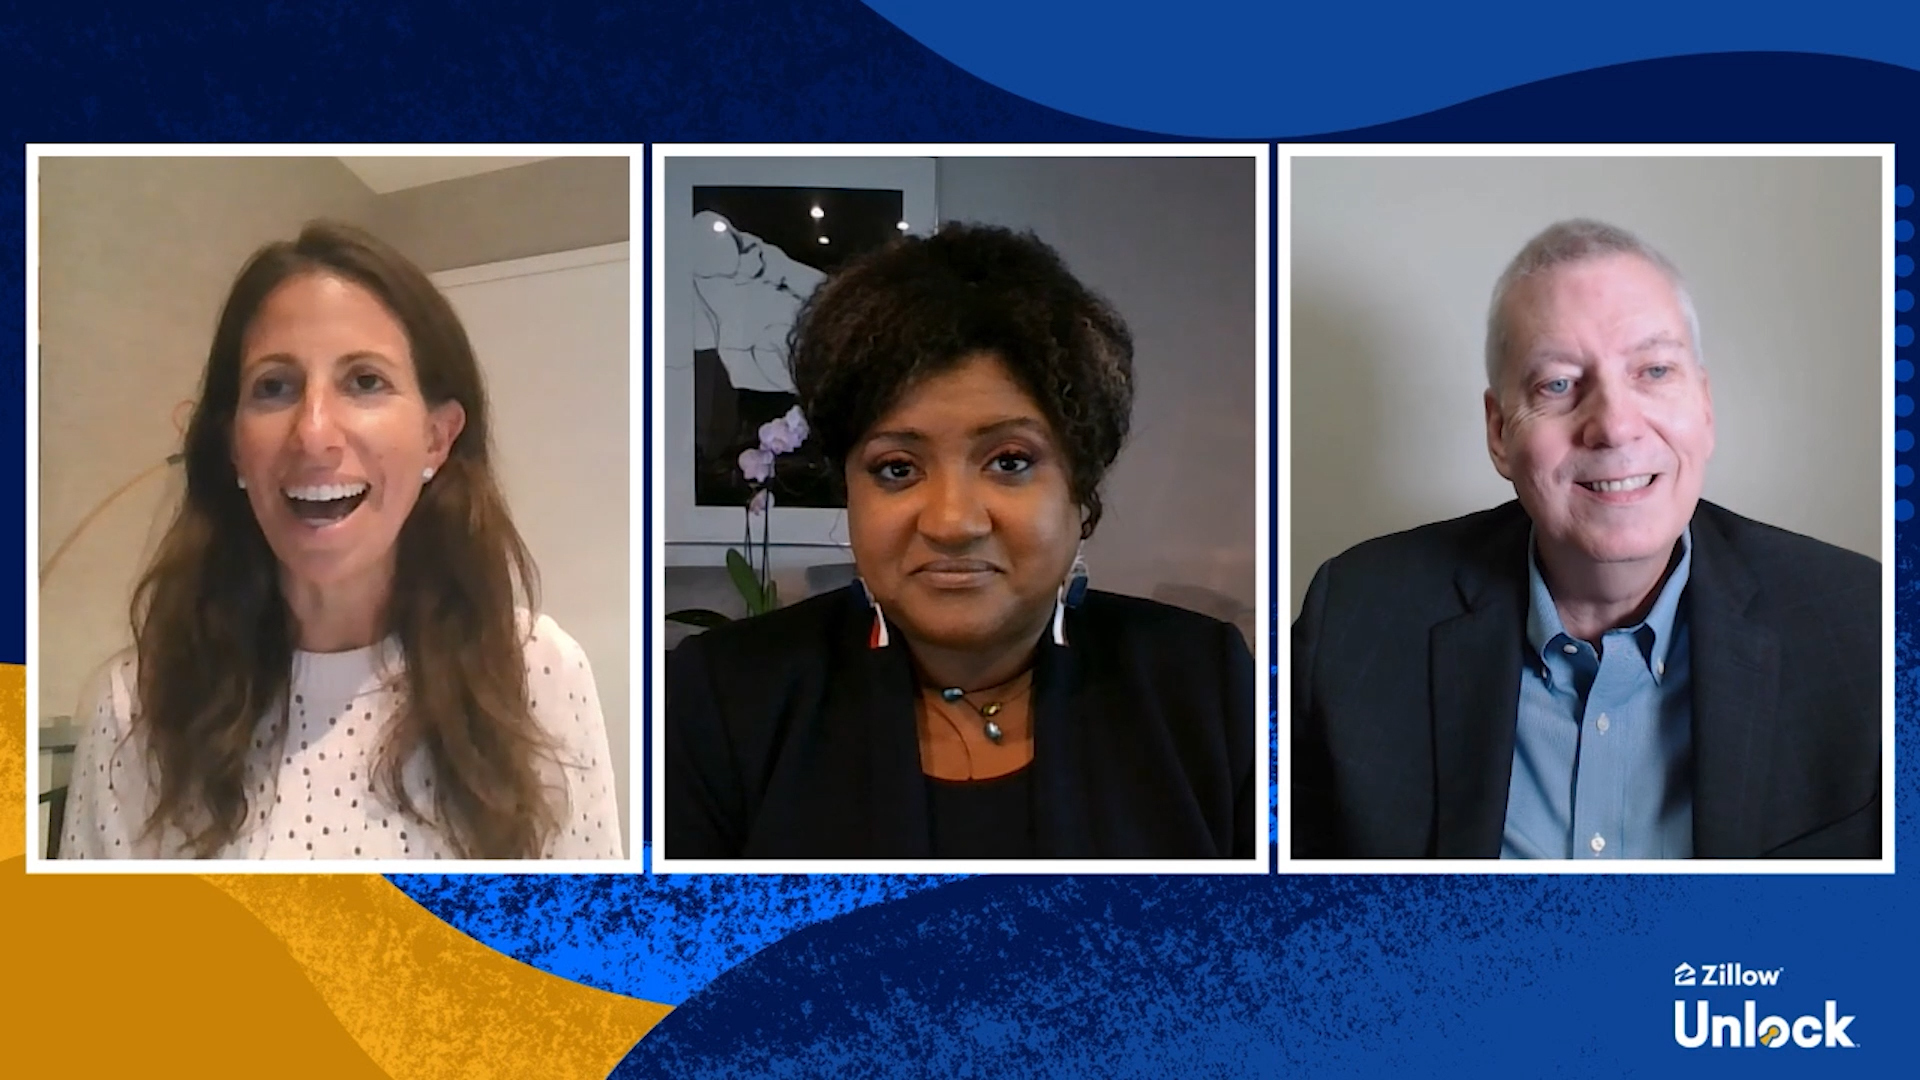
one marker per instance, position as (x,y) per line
(769,599)
(745,582)
(700,617)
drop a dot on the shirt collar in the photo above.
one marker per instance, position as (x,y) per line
(1655,633)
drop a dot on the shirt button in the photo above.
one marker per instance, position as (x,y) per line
(1569,648)
(1659,668)
(1598,843)
(1603,723)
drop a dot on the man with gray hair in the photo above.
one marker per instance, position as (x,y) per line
(1607,667)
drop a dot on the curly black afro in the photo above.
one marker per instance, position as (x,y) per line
(919,306)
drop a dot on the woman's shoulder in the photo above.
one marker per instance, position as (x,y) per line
(123,665)
(805,629)
(108,692)
(1196,667)
(547,645)
(1105,612)
(1152,637)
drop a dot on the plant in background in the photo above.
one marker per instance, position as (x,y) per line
(754,580)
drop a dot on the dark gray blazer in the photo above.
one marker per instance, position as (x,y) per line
(787,737)
(1406,668)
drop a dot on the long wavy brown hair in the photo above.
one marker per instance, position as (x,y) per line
(215,637)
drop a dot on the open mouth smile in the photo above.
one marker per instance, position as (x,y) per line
(320,505)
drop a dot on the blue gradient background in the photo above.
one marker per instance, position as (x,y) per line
(800,976)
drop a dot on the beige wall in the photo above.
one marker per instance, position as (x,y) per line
(1393,263)
(561,204)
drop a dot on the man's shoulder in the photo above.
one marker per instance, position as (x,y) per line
(1441,548)
(1780,560)
(1419,576)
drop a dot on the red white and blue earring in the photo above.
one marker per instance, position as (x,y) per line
(1073,593)
(877,637)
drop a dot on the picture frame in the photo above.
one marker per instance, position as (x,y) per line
(730,288)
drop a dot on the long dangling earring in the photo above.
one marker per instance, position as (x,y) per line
(877,637)
(1073,593)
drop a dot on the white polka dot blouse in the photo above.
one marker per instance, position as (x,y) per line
(311,794)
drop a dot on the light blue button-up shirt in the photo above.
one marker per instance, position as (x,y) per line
(1602,751)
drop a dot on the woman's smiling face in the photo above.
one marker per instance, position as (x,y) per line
(331,433)
(960,510)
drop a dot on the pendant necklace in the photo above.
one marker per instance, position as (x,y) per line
(990,727)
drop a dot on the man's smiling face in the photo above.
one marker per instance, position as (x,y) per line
(1602,417)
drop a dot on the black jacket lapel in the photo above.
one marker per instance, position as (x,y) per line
(1065,748)
(1735,671)
(1475,664)
(883,706)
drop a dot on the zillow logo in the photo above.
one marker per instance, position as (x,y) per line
(1725,975)
(1771,1032)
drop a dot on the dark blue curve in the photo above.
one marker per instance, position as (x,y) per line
(1732,97)
(1231,69)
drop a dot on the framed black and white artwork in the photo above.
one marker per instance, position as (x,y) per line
(746,241)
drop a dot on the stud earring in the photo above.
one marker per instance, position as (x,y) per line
(242,481)
(877,637)
(426,474)
(1073,593)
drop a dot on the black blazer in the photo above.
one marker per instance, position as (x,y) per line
(1406,675)
(787,737)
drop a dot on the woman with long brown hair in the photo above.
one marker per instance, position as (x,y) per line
(330,658)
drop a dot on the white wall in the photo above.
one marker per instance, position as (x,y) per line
(551,336)
(1393,263)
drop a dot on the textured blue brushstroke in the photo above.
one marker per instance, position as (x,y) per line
(1231,69)
(660,938)
(1114,977)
